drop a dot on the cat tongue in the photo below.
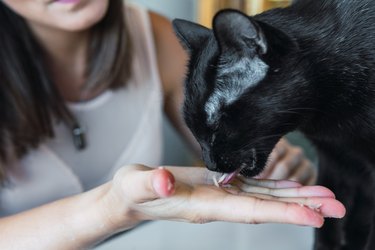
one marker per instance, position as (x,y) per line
(227,178)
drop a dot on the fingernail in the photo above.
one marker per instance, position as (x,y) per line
(333,217)
(169,185)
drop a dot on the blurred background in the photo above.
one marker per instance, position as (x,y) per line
(213,236)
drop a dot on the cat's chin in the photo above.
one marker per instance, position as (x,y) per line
(256,167)
(249,173)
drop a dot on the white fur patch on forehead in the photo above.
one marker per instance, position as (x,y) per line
(234,79)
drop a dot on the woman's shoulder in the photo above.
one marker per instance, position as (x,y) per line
(171,57)
(170,54)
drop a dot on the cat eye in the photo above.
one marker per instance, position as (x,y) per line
(250,42)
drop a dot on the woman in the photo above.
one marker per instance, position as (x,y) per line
(81,97)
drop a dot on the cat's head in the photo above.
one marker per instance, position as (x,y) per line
(242,91)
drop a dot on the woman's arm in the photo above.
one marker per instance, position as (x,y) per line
(138,193)
(71,223)
(172,61)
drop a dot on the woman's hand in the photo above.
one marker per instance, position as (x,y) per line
(187,194)
(287,162)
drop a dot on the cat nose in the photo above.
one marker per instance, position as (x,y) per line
(210,164)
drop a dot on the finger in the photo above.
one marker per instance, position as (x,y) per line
(140,184)
(312,180)
(303,191)
(192,175)
(162,182)
(270,165)
(269,183)
(253,210)
(306,174)
(328,207)
(277,153)
(282,146)
(291,213)
(288,165)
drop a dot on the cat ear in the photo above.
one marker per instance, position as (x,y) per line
(235,30)
(191,35)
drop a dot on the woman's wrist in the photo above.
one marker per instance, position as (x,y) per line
(88,217)
(75,222)
(91,217)
(114,210)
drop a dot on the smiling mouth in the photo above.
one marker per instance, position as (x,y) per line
(66,1)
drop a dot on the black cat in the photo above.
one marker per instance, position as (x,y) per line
(307,67)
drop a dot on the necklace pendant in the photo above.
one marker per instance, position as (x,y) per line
(79,137)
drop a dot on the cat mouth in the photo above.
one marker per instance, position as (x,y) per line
(227,178)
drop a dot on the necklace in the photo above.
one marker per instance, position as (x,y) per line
(79,136)
(78,131)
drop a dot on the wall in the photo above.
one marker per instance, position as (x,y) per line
(185,9)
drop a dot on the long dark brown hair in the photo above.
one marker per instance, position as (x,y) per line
(29,101)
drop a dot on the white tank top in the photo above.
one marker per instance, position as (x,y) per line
(122,127)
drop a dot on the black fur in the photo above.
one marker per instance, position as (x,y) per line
(320,79)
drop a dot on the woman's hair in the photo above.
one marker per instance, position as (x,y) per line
(29,101)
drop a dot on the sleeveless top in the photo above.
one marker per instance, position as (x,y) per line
(122,127)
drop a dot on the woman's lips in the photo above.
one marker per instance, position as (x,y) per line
(67,1)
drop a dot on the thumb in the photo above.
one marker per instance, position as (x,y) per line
(141,184)
(162,182)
